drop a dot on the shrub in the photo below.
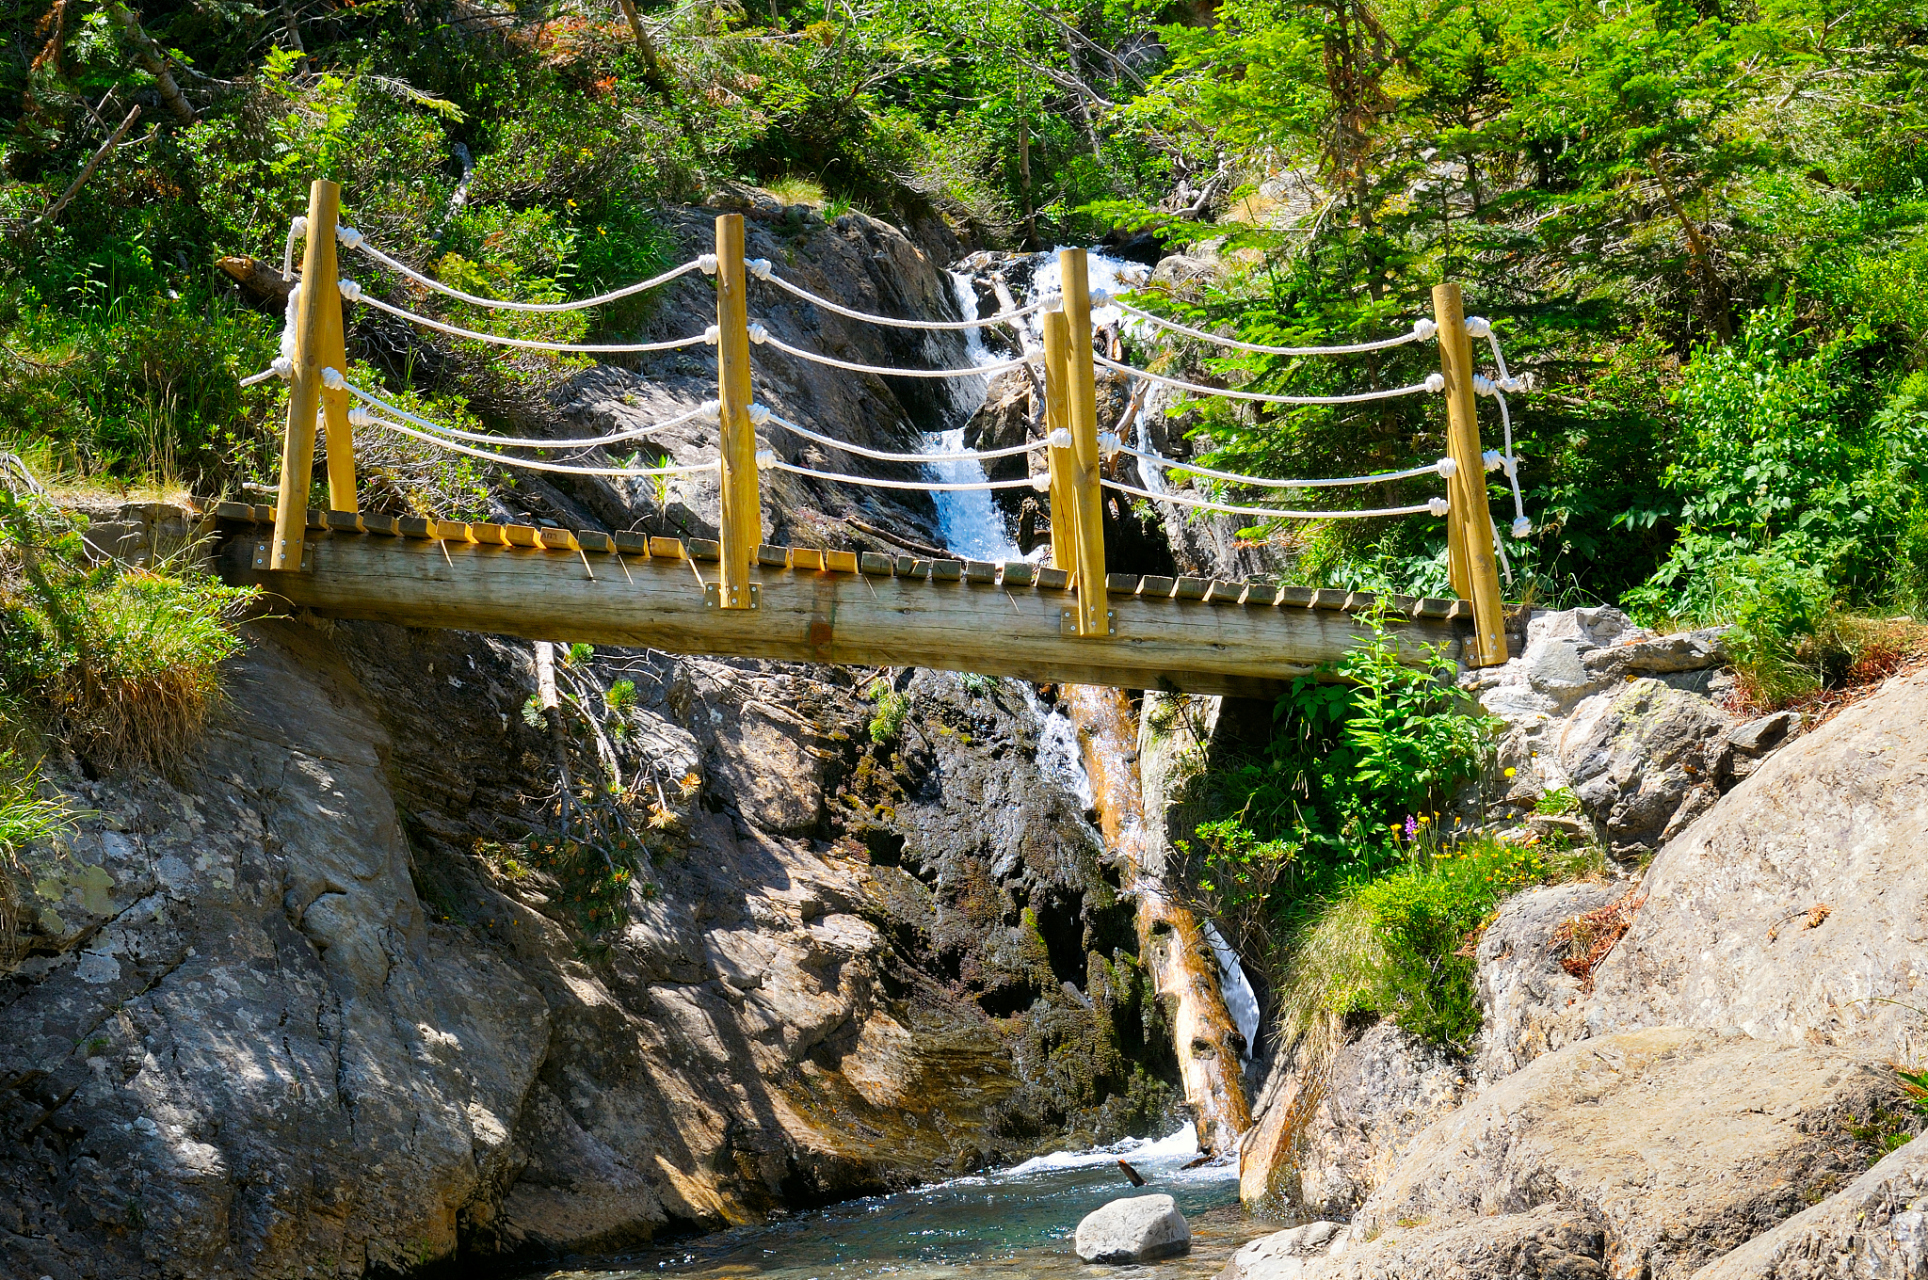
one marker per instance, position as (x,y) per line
(124,664)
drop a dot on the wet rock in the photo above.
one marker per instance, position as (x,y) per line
(1683,1144)
(1283,1255)
(1797,909)
(1876,1228)
(1003,421)
(1134,1229)
(1529,1004)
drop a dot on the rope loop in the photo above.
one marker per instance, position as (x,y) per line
(706,263)
(1446,468)
(1060,439)
(350,290)
(1437,506)
(758,267)
(1424,329)
(349,237)
(1482,385)
(298,226)
(283,368)
(332,379)
(758,414)
(1041,482)
(758,334)
(713,335)
(1435,382)
(766,457)
(1478,326)
(1522,527)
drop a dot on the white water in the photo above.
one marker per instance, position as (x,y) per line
(969,523)
(1240,1000)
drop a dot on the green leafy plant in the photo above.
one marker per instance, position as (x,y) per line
(892,709)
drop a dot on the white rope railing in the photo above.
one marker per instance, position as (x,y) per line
(985,370)
(1434,506)
(707,409)
(878,482)
(1002,317)
(353,239)
(1433,383)
(536,464)
(1444,468)
(884,456)
(527,344)
(1420,332)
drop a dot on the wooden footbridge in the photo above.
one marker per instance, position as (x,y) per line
(1072,621)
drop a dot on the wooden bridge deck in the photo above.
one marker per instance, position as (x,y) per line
(1183,634)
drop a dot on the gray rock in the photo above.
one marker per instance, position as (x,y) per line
(1549,1242)
(1640,758)
(1797,909)
(1683,1144)
(1661,655)
(1134,1229)
(1529,1005)
(1874,1229)
(1003,421)
(1283,1255)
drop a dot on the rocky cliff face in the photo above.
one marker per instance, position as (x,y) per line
(299,1006)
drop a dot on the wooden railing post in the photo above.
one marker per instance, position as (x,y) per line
(334,401)
(742,504)
(1081,395)
(1059,458)
(320,295)
(1469,522)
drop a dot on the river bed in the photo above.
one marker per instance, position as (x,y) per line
(1014,1224)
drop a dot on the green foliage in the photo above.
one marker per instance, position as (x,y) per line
(892,709)
(122,663)
(1558,802)
(26,818)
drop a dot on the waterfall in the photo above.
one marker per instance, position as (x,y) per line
(1240,1000)
(968,523)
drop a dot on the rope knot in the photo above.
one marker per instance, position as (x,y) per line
(1435,382)
(349,237)
(1059,439)
(1041,482)
(1510,383)
(1447,468)
(758,267)
(1100,298)
(712,335)
(706,263)
(766,457)
(758,334)
(1424,329)
(1522,527)
(283,367)
(1493,460)
(1109,443)
(710,408)
(332,379)
(758,414)
(298,226)
(360,417)
(350,290)
(1478,326)
(1438,506)
(1482,385)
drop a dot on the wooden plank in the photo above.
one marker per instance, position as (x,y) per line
(489,535)
(1432,607)
(630,544)
(1124,583)
(1190,589)
(1294,598)
(705,549)
(1015,573)
(1155,585)
(876,564)
(595,540)
(234,511)
(522,535)
(1360,601)
(1052,578)
(382,526)
(815,617)
(806,559)
(662,548)
(918,568)
(415,527)
(946,570)
(341,521)
(1330,598)
(454,531)
(773,557)
(263,513)
(840,561)
(556,539)
(980,571)
(1221,592)
(1260,595)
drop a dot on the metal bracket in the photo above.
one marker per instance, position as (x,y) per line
(1068,622)
(713,596)
(264,551)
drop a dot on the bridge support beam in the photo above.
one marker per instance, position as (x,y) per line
(1469,522)
(1059,458)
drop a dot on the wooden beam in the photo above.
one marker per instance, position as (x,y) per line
(741,502)
(817,616)
(1081,396)
(1057,417)
(1470,527)
(304,391)
(334,403)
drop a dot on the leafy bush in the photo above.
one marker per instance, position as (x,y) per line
(893,708)
(122,663)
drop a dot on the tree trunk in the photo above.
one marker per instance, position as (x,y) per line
(153,60)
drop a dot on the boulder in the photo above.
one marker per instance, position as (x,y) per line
(1003,421)
(1682,1144)
(1283,1255)
(1134,1229)
(1529,1004)
(1798,909)
(1874,1229)
(1551,1242)
(1640,759)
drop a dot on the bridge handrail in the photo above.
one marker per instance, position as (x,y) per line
(502,340)
(1422,330)
(760,268)
(705,410)
(1432,506)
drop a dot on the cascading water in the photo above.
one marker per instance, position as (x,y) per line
(968,521)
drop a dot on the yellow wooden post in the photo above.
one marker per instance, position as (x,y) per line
(1081,395)
(742,505)
(1470,524)
(333,354)
(1057,417)
(318,289)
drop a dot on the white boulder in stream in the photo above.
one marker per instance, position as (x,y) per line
(1135,1229)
